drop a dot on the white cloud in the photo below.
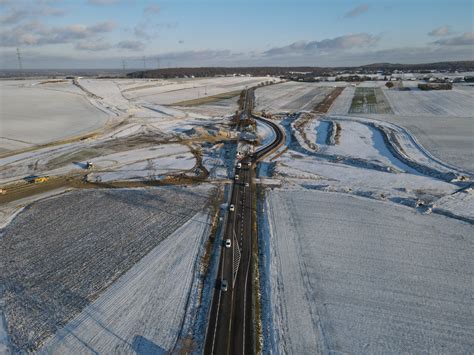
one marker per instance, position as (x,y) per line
(440,31)
(358,10)
(466,39)
(35,33)
(331,44)
(36,58)
(24,13)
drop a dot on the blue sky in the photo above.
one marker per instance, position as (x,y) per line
(106,33)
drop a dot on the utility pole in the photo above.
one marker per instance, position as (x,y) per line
(18,55)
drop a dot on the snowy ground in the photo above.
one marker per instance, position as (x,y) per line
(109,159)
(190,89)
(409,166)
(91,242)
(143,311)
(449,138)
(370,158)
(290,96)
(458,103)
(145,163)
(33,114)
(339,193)
(219,108)
(352,275)
(343,102)
(133,145)
(105,247)
(59,109)
(440,120)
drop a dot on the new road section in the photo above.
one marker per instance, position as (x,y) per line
(231,323)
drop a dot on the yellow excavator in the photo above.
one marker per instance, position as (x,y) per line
(40,179)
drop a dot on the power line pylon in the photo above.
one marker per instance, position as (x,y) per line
(18,55)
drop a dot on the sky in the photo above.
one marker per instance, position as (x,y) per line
(60,34)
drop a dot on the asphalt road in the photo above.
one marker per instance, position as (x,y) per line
(231,323)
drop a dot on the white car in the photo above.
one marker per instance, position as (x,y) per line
(231,208)
(237,177)
(247,184)
(249,163)
(239,165)
(224,285)
(228,243)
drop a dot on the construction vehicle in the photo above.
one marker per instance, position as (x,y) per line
(39,179)
(89,165)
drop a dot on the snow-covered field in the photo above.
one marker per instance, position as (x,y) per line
(34,114)
(220,108)
(459,103)
(61,253)
(361,142)
(190,89)
(290,96)
(144,163)
(143,311)
(449,138)
(342,104)
(37,112)
(368,237)
(106,89)
(352,275)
